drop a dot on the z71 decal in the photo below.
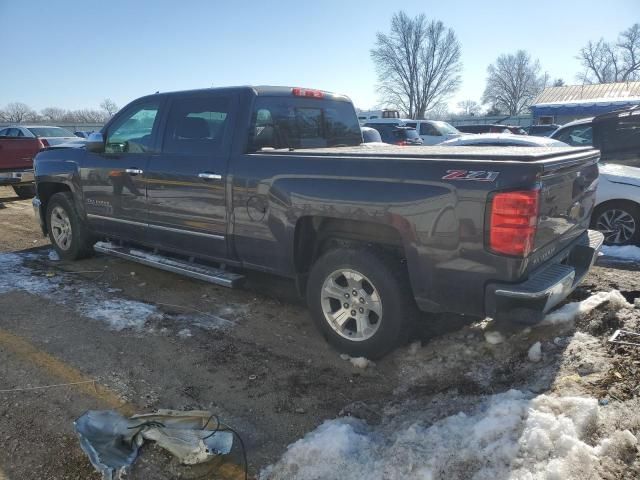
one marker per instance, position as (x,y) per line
(477,175)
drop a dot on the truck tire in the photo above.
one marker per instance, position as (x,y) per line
(361,301)
(619,222)
(68,234)
(25,191)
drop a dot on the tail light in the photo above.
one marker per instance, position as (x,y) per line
(514,220)
(43,143)
(307,92)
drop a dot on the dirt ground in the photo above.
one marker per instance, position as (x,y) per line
(152,339)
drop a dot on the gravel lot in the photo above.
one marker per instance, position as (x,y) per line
(151,339)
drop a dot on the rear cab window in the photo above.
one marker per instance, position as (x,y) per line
(196,125)
(298,123)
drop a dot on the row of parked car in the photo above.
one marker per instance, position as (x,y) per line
(399,131)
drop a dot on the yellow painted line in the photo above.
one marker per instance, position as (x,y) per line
(24,350)
(66,373)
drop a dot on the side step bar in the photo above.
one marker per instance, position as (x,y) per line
(182,267)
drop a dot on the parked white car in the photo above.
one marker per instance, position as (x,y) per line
(617,211)
(503,140)
(578,133)
(432,132)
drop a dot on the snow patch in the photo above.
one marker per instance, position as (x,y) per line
(119,314)
(493,338)
(627,253)
(86,298)
(358,362)
(571,311)
(185,333)
(535,352)
(53,256)
(508,436)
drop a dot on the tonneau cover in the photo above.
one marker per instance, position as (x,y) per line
(444,152)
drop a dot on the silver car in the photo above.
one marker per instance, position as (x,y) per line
(49,135)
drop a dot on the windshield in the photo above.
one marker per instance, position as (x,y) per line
(50,132)
(445,128)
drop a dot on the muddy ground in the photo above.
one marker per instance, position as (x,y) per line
(250,355)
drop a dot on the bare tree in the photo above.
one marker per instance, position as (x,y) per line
(513,82)
(109,106)
(469,107)
(17,112)
(607,62)
(53,114)
(418,64)
(87,115)
(440,112)
(558,82)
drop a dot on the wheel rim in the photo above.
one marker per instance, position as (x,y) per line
(618,226)
(61,228)
(351,305)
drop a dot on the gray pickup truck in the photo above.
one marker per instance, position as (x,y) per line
(212,182)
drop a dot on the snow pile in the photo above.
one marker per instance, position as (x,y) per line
(508,436)
(573,310)
(627,253)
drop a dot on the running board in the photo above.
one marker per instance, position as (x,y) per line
(182,267)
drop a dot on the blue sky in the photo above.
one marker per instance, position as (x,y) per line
(74,54)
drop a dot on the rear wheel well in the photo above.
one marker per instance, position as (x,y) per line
(316,235)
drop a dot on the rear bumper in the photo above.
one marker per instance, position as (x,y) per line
(529,301)
(16,177)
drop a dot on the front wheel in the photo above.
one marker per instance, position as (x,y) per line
(619,222)
(361,301)
(68,234)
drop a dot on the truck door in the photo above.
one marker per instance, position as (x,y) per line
(430,134)
(114,182)
(186,180)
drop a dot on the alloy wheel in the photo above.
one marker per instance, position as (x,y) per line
(351,304)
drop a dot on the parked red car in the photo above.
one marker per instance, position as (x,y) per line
(18,145)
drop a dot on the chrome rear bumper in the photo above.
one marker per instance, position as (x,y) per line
(529,301)
(17,177)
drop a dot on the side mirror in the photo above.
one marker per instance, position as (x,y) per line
(95,143)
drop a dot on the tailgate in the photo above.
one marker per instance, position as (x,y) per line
(17,153)
(567,196)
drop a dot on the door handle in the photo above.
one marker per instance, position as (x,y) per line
(134,171)
(210,176)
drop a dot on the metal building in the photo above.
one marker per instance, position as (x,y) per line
(565,104)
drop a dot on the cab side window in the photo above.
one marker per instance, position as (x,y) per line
(429,130)
(132,131)
(196,125)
